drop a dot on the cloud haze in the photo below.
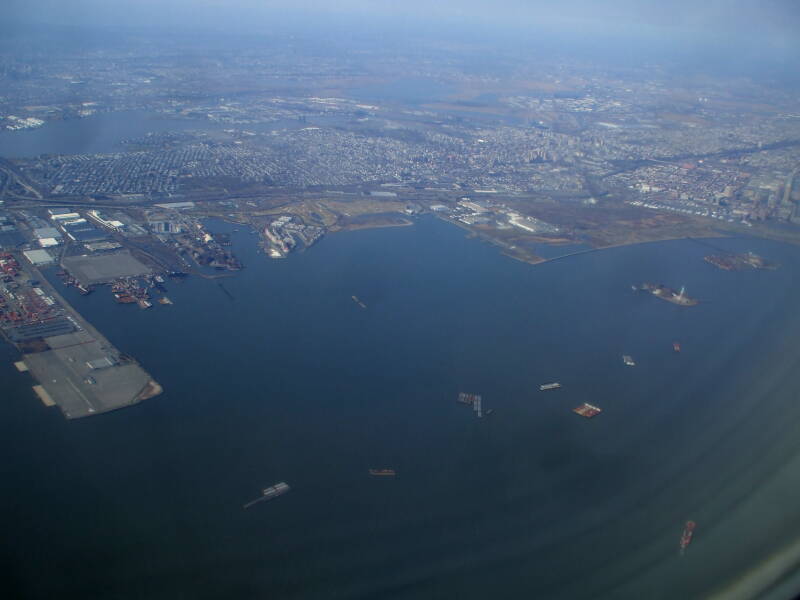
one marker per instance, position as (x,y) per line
(721,31)
(754,17)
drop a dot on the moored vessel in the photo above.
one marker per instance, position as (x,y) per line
(549,386)
(587,410)
(471,399)
(270,492)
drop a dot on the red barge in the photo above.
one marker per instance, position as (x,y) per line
(688,532)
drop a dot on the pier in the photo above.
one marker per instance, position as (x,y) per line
(79,370)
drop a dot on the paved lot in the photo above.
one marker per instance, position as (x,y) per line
(76,388)
(102,268)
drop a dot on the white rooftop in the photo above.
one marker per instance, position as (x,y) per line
(38,257)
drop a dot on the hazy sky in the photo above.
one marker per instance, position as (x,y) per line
(773,24)
(757,16)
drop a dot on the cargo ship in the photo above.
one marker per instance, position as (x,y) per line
(269,493)
(668,294)
(359,302)
(587,410)
(686,537)
(628,360)
(382,472)
(549,386)
(676,346)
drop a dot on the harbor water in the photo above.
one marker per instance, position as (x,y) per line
(281,376)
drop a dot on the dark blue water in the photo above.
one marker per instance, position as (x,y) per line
(292,381)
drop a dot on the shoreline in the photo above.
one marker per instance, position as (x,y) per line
(508,250)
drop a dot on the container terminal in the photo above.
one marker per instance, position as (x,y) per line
(76,367)
(269,493)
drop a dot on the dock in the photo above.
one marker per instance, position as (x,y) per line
(473,400)
(253,502)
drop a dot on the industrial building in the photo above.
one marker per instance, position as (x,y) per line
(80,230)
(112,224)
(39,258)
(41,233)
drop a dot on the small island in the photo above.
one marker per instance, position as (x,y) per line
(668,294)
(739,262)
